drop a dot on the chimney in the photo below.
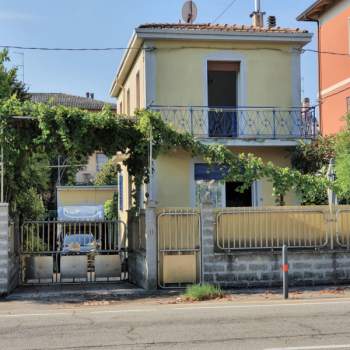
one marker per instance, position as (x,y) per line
(92,95)
(272,22)
(88,95)
(258,16)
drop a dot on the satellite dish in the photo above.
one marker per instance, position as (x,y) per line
(189,12)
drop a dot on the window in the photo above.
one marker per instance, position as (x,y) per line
(222,93)
(138,91)
(128,102)
(101,160)
(222,194)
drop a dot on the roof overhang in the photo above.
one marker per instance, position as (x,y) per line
(316,10)
(141,35)
(130,54)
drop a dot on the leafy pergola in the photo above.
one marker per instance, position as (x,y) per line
(76,134)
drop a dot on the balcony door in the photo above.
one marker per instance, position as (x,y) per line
(222,98)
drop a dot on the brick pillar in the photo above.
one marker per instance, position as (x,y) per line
(4,256)
(208,232)
(151,246)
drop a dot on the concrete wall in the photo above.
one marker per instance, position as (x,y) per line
(9,262)
(263,268)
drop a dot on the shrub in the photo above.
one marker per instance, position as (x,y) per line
(203,292)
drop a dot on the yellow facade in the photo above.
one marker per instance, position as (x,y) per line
(84,195)
(269,76)
(181,73)
(133,102)
(175,185)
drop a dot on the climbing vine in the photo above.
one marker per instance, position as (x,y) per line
(76,134)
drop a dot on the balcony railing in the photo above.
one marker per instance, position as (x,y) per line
(242,123)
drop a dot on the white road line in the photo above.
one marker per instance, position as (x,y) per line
(170,308)
(346,346)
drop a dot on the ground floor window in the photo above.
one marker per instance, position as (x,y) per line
(210,179)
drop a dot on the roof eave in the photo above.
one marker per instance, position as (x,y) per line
(130,54)
(314,12)
(175,34)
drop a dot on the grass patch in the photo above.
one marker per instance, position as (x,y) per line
(203,292)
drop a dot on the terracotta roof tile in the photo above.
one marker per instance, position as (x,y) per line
(70,101)
(219,28)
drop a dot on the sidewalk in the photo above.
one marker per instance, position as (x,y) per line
(79,293)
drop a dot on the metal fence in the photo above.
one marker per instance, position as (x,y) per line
(343,226)
(178,247)
(273,227)
(57,251)
(241,123)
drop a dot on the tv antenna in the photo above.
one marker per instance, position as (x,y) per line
(189,12)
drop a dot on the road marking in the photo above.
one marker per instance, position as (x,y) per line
(346,346)
(170,308)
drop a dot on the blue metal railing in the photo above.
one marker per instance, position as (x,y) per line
(242,123)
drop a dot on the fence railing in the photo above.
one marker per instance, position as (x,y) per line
(343,226)
(178,247)
(273,227)
(242,123)
(48,237)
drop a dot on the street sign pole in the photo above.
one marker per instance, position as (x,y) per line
(285,269)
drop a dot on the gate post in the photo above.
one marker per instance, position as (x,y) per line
(4,250)
(207,238)
(151,246)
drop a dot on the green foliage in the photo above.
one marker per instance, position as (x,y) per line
(111,208)
(343,160)
(203,292)
(74,134)
(9,85)
(310,158)
(108,174)
(33,243)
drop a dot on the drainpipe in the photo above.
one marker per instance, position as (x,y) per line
(319,73)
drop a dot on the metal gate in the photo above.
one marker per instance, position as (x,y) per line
(179,258)
(73,252)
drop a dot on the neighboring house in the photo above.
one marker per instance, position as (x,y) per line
(98,159)
(234,85)
(333,18)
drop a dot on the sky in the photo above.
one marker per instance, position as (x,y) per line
(110,23)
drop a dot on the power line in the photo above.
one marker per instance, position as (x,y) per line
(225,10)
(86,49)
(68,49)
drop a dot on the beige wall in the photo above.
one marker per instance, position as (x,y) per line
(84,195)
(174,178)
(130,84)
(267,77)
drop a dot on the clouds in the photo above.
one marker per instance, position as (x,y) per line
(15,16)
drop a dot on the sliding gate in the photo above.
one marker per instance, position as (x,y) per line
(73,252)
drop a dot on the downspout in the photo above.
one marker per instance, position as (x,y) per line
(319,74)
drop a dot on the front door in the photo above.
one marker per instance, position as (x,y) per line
(222,98)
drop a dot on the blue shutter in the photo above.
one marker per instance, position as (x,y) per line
(121,192)
(209,172)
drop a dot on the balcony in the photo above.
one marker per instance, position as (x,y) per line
(258,123)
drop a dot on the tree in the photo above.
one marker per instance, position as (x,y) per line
(9,85)
(108,175)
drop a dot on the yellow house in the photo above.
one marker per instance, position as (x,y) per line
(226,84)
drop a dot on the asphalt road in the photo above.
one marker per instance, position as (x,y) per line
(292,325)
